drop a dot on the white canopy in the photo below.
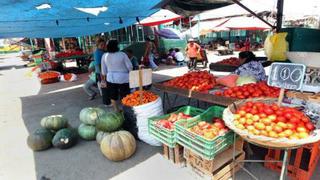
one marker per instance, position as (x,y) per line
(292,9)
(160,17)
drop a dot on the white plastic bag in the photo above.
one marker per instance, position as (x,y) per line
(143,112)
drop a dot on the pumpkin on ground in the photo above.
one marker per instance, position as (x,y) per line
(90,115)
(87,132)
(65,138)
(101,135)
(110,121)
(118,146)
(54,122)
(40,139)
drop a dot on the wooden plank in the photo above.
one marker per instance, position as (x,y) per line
(227,169)
(166,151)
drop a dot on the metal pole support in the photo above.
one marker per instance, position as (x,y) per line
(284,165)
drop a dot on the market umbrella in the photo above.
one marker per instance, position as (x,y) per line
(169,33)
(160,17)
(245,23)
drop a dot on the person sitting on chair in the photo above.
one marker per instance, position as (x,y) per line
(179,57)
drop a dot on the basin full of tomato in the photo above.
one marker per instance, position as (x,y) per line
(210,130)
(273,121)
(233,61)
(196,81)
(252,90)
(169,122)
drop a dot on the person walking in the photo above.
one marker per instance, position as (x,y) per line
(192,50)
(115,68)
(149,54)
(97,56)
(90,84)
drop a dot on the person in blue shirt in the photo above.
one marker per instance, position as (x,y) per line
(97,55)
(133,59)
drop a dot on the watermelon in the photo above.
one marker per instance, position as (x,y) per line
(110,121)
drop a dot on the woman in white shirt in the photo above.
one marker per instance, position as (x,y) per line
(115,68)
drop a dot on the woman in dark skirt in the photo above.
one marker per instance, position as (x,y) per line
(115,68)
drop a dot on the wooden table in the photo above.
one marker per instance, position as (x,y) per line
(205,97)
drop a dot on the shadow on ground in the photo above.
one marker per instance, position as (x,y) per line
(83,161)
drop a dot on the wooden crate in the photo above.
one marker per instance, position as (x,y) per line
(218,168)
(174,154)
(223,172)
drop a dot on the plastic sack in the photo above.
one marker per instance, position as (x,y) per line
(276,46)
(69,79)
(143,112)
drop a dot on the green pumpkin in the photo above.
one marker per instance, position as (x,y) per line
(101,135)
(65,138)
(54,122)
(40,139)
(110,121)
(90,115)
(87,132)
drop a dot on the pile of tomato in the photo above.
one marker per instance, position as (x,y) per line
(273,121)
(69,54)
(233,61)
(196,81)
(49,75)
(252,90)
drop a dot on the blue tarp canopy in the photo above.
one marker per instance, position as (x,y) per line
(70,18)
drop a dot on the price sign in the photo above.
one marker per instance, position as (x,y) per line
(141,77)
(287,75)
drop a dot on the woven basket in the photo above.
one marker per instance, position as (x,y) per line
(228,117)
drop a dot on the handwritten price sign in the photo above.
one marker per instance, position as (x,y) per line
(287,75)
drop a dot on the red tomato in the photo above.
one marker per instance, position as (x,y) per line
(279,113)
(253,111)
(268,111)
(310,126)
(249,104)
(294,120)
(281,119)
(288,115)
(305,119)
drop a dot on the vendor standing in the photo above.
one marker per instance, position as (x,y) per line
(250,66)
(192,50)
(97,55)
(115,68)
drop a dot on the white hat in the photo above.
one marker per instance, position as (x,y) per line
(191,40)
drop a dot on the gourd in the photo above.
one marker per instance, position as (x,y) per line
(87,132)
(110,121)
(90,115)
(40,139)
(100,135)
(54,122)
(118,146)
(65,138)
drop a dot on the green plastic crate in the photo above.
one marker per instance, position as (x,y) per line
(205,148)
(167,136)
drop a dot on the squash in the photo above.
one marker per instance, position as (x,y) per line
(54,122)
(100,135)
(65,138)
(110,121)
(40,139)
(118,146)
(89,115)
(87,132)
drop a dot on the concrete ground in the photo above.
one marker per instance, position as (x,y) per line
(24,101)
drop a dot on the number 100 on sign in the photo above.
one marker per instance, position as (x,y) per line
(287,75)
